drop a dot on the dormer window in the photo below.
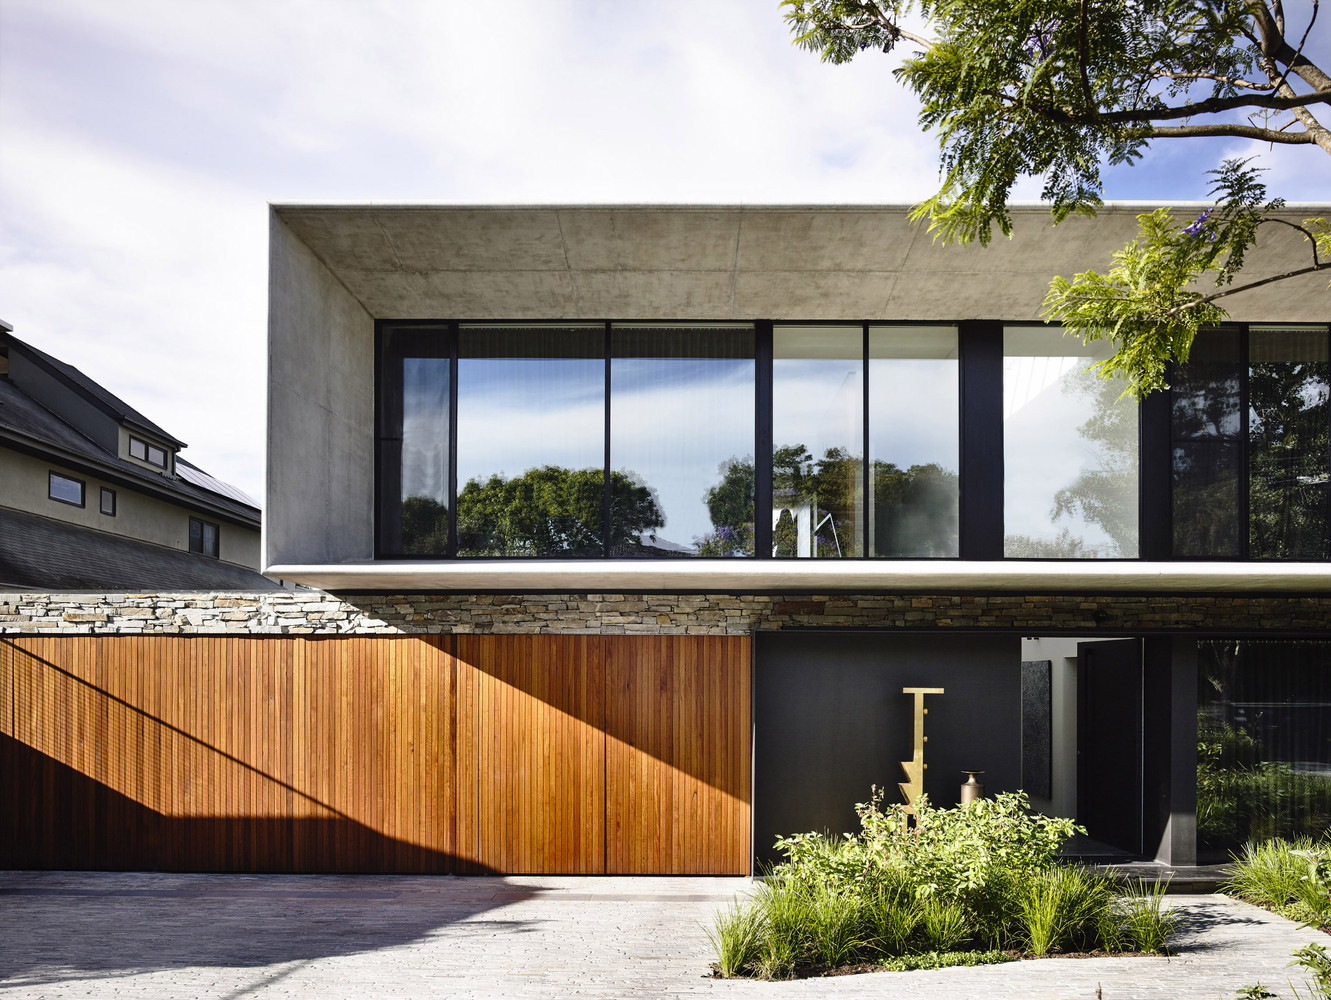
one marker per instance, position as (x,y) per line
(146,452)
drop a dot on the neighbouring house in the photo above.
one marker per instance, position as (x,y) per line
(95,496)
(632,523)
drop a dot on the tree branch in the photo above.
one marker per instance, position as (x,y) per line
(1310,269)
(1235,131)
(1232,81)
(1210,106)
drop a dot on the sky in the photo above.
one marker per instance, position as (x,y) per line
(142,141)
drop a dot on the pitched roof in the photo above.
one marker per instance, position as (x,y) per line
(26,423)
(44,554)
(105,400)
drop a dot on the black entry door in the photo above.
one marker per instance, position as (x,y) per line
(1109,742)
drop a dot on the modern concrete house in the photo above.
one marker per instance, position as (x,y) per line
(633,523)
(95,496)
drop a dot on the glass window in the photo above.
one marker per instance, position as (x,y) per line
(682,440)
(1288,443)
(423,485)
(914,441)
(1263,743)
(531,440)
(1206,424)
(203,537)
(817,441)
(145,452)
(108,501)
(1070,450)
(65,489)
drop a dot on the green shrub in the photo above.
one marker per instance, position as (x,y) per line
(1147,922)
(1293,878)
(1063,908)
(946,960)
(737,937)
(836,915)
(984,874)
(894,916)
(945,924)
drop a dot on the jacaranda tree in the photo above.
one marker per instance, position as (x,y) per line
(1058,90)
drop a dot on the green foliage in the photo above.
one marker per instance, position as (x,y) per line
(552,511)
(985,873)
(1057,90)
(1291,877)
(731,505)
(736,936)
(1145,919)
(1149,303)
(946,960)
(1241,797)
(424,526)
(1063,904)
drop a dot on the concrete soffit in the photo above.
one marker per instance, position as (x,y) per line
(810,262)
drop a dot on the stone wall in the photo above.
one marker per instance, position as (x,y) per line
(311,612)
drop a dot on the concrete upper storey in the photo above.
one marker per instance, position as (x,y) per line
(336,270)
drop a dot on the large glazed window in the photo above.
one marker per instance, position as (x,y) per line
(817,441)
(1263,743)
(1070,451)
(1206,428)
(682,440)
(914,441)
(414,420)
(1288,443)
(1249,422)
(530,440)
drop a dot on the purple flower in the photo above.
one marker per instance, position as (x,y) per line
(1198,224)
(1040,40)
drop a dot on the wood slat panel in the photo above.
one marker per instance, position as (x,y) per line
(677,754)
(226,753)
(531,753)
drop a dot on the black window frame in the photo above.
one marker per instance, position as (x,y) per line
(148,449)
(52,476)
(1163,442)
(980,446)
(200,549)
(106,491)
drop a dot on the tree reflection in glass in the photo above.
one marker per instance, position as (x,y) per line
(682,426)
(1288,443)
(817,427)
(914,441)
(1070,451)
(531,442)
(424,481)
(1206,426)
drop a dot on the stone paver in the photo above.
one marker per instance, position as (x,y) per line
(226,936)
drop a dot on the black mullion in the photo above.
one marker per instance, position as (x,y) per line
(762,464)
(1155,504)
(452,440)
(980,350)
(866,474)
(605,484)
(1245,445)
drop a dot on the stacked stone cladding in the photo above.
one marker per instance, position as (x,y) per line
(315,613)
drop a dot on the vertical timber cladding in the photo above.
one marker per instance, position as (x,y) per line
(375,754)
(227,754)
(625,755)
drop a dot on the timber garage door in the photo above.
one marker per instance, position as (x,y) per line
(386,754)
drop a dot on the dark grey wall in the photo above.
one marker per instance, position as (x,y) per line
(830,721)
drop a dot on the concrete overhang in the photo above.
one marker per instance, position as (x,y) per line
(741,262)
(744,576)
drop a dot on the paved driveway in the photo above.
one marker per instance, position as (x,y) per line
(230,936)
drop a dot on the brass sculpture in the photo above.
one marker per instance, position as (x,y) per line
(913,787)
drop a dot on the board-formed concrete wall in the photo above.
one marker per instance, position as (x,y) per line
(312,612)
